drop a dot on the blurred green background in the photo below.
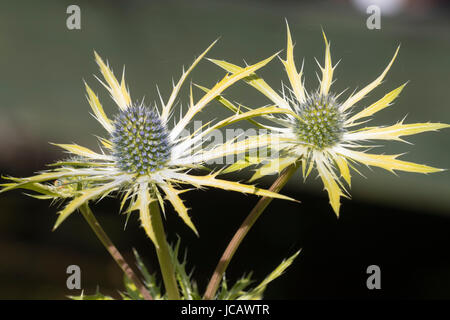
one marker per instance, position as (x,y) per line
(43,65)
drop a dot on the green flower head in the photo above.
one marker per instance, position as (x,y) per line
(142,158)
(323,132)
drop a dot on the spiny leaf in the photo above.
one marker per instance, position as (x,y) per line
(257,292)
(85,196)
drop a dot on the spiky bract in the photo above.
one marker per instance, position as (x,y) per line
(328,141)
(143,159)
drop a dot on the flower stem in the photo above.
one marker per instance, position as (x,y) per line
(162,251)
(240,234)
(117,256)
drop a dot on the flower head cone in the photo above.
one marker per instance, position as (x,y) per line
(143,158)
(325,132)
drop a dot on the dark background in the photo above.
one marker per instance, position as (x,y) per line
(400,223)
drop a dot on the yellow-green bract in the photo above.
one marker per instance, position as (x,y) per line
(143,157)
(324,131)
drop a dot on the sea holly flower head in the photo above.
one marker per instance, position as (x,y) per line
(143,158)
(326,131)
(320,123)
(140,141)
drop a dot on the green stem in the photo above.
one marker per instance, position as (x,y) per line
(162,251)
(240,234)
(116,255)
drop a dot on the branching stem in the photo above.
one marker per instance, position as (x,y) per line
(240,234)
(116,255)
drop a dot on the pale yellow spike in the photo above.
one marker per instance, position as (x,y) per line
(272,167)
(229,105)
(242,146)
(85,196)
(106,143)
(177,203)
(155,192)
(306,172)
(252,114)
(307,162)
(233,119)
(125,198)
(212,181)
(229,80)
(363,92)
(343,168)
(258,291)
(142,204)
(384,102)
(327,70)
(215,91)
(388,162)
(330,185)
(97,108)
(255,81)
(304,164)
(191,97)
(83,151)
(168,107)
(118,91)
(43,177)
(240,164)
(394,132)
(295,78)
